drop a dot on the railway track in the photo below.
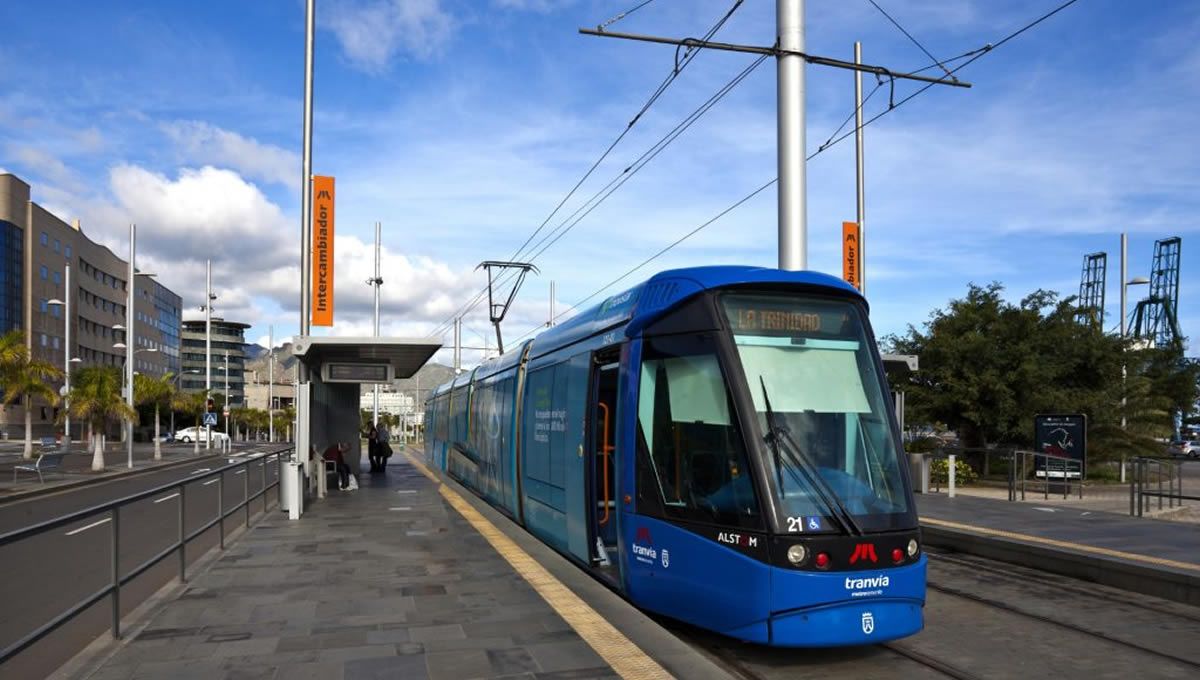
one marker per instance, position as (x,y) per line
(1103,595)
(1067,619)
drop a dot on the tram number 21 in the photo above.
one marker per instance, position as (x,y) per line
(799,524)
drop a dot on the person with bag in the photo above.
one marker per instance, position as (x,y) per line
(385,447)
(374,449)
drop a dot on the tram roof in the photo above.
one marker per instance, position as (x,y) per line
(645,302)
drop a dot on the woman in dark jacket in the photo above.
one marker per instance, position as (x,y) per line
(374,452)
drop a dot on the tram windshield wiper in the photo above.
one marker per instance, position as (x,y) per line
(781,442)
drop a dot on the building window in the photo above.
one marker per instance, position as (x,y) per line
(68,252)
(54,341)
(44,273)
(43,339)
(57,245)
(45,238)
(42,305)
(58,278)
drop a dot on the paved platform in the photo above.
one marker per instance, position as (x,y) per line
(1144,555)
(405,578)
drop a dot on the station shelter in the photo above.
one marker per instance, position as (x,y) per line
(327,403)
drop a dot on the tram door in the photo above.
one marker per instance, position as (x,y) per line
(602,472)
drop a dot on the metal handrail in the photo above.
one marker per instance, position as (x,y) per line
(113,507)
(1065,465)
(1140,497)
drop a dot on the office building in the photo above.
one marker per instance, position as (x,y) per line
(228,338)
(35,248)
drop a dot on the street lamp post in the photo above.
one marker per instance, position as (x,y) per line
(1125,284)
(228,431)
(67,359)
(127,366)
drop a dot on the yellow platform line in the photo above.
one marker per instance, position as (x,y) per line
(1108,552)
(622,655)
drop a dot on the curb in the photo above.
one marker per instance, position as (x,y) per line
(1171,584)
(67,486)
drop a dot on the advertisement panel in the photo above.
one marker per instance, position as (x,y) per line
(322,255)
(1063,436)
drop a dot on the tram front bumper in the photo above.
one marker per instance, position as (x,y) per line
(847,608)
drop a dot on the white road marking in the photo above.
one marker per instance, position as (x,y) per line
(166,498)
(401,508)
(1047,509)
(209,482)
(85,528)
(240,472)
(196,472)
(406,491)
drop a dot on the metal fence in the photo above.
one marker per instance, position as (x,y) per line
(113,509)
(1022,472)
(1149,477)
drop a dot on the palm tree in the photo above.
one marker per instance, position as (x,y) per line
(23,377)
(149,390)
(193,403)
(96,398)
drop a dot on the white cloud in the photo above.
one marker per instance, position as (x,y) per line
(533,5)
(371,33)
(203,143)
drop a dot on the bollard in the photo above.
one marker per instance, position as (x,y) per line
(950,476)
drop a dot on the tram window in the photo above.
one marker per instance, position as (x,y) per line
(691,456)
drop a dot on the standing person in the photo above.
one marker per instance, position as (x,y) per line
(385,447)
(373,449)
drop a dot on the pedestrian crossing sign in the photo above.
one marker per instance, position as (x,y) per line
(210,418)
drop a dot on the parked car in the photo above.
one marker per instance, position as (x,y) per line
(1184,447)
(192,434)
(167,437)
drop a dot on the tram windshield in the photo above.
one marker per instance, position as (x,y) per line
(814,380)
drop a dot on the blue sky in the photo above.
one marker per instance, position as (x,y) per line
(460,124)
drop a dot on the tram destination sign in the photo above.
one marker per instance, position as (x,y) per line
(1060,436)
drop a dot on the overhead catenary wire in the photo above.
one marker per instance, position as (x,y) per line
(973,56)
(655,256)
(679,65)
(908,35)
(647,156)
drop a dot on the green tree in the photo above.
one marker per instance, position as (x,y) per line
(95,398)
(156,392)
(24,379)
(988,366)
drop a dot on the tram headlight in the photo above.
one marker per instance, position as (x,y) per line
(912,547)
(797,554)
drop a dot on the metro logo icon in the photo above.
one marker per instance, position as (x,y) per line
(864,551)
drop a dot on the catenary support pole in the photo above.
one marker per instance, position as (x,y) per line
(860,176)
(377,282)
(208,300)
(1124,331)
(68,293)
(793,227)
(130,337)
(271,384)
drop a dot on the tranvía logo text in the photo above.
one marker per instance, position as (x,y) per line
(861,583)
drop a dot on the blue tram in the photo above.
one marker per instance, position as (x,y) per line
(717,444)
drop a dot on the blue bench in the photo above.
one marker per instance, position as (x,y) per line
(45,463)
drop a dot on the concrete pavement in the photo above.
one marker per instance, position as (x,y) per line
(47,574)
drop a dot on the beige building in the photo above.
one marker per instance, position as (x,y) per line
(282,394)
(36,248)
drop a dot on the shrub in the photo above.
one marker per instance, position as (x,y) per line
(964,474)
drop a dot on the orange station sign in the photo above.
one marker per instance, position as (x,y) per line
(851,254)
(322,251)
